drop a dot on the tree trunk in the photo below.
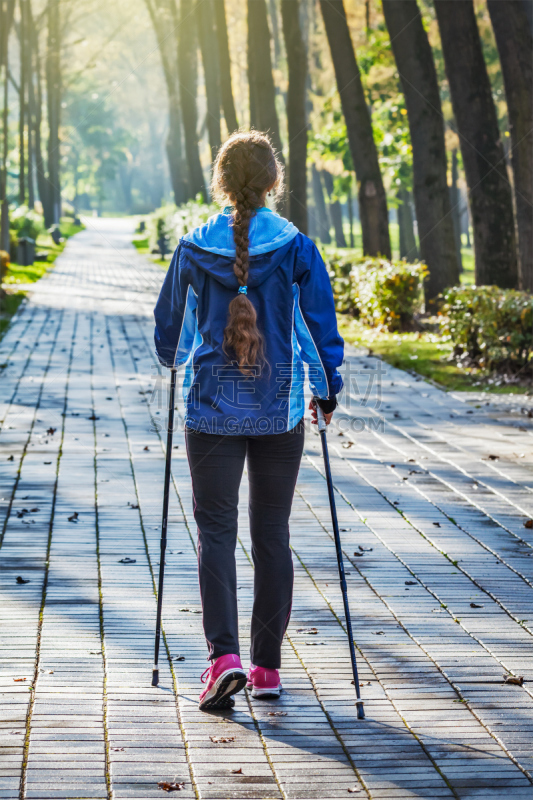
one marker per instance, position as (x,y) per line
(30,107)
(321,217)
(22,102)
(335,210)
(349,203)
(36,100)
(455,200)
(163,14)
(53,92)
(372,198)
(8,7)
(408,248)
(187,75)
(528,8)
(263,114)
(515,46)
(481,147)
(296,113)
(209,49)
(275,30)
(420,87)
(226,91)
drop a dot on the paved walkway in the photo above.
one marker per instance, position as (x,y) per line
(433,494)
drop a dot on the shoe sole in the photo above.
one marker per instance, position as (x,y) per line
(228,684)
(263,694)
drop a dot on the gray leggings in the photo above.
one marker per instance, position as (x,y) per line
(217,464)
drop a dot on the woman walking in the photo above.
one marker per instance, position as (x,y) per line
(245,300)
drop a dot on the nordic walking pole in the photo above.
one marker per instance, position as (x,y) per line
(322,430)
(164,522)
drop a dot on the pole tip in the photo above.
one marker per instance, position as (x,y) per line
(155,676)
(360,709)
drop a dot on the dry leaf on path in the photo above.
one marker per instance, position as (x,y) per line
(128,560)
(528,523)
(277,713)
(73,517)
(475,605)
(354,790)
(222,739)
(171,787)
(20,579)
(18,680)
(118,749)
(515,680)
(236,771)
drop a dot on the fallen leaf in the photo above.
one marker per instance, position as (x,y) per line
(133,505)
(73,517)
(410,583)
(22,580)
(171,787)
(236,771)
(277,713)
(118,749)
(310,631)
(19,680)
(528,523)
(11,458)
(378,633)
(146,448)
(21,513)
(358,555)
(493,458)
(178,658)
(411,461)
(514,679)
(437,524)
(475,605)
(222,739)
(51,431)
(128,560)
(34,510)
(47,462)
(190,610)
(346,445)
(93,417)
(354,790)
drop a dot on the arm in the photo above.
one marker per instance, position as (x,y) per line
(316,325)
(175,316)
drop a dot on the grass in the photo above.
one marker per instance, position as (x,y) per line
(425,354)
(17,275)
(140,242)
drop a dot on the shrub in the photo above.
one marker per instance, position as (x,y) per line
(173,221)
(490,326)
(26,222)
(380,292)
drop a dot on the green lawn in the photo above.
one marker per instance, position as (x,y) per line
(17,275)
(425,354)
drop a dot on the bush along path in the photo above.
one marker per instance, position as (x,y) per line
(434,505)
(17,280)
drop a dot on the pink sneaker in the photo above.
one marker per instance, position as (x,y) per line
(224,677)
(264,682)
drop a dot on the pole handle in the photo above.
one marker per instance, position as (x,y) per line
(320,417)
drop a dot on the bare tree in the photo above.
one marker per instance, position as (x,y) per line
(335,209)
(296,113)
(209,49)
(372,198)
(483,156)
(418,77)
(226,92)
(515,46)
(53,96)
(7,10)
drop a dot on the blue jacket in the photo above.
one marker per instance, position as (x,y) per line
(290,289)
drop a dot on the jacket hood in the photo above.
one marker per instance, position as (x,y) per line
(212,249)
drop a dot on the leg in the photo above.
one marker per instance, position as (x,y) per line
(216,464)
(273,464)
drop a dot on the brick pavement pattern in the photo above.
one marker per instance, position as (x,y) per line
(433,493)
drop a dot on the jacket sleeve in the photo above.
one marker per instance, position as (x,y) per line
(175,316)
(315,321)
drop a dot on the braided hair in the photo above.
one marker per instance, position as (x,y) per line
(245,169)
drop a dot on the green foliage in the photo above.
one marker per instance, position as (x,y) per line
(174,222)
(25,222)
(490,326)
(381,293)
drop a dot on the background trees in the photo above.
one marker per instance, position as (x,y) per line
(381,112)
